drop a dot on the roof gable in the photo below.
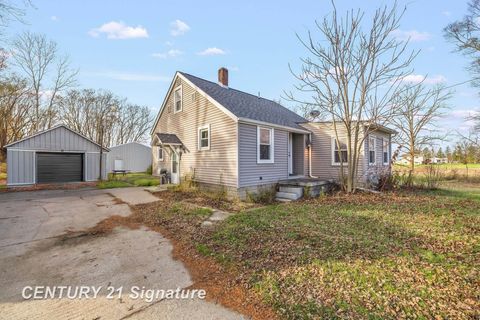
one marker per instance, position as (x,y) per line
(24,141)
(239,105)
(247,106)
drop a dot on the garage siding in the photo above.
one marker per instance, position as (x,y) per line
(136,157)
(21,156)
(20,167)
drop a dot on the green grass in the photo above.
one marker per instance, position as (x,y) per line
(113,184)
(129,180)
(398,255)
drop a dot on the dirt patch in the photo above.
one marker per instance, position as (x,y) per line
(59,186)
(205,199)
(218,280)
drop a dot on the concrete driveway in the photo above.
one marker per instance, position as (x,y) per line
(34,252)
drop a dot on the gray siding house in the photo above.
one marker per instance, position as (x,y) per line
(131,156)
(56,155)
(225,138)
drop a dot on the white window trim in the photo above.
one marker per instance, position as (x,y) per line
(388,151)
(374,150)
(272,146)
(207,126)
(334,142)
(158,153)
(175,100)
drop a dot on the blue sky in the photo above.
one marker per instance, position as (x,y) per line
(133,48)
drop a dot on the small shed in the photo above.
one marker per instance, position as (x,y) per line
(132,157)
(56,155)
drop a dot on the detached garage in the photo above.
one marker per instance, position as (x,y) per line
(57,155)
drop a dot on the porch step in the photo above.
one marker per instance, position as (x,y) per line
(288,195)
(283,200)
(292,189)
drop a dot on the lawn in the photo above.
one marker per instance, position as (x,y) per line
(396,255)
(129,180)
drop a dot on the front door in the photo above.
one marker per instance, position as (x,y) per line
(174,169)
(290,150)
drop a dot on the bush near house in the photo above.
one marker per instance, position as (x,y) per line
(361,256)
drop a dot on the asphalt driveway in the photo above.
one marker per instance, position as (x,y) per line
(35,252)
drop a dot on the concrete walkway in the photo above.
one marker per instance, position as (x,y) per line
(35,252)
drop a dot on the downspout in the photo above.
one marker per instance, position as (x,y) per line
(310,157)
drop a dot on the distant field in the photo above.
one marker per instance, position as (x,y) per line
(472,169)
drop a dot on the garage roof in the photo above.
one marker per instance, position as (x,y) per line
(52,129)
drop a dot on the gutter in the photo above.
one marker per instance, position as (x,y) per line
(310,157)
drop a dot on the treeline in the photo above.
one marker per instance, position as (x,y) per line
(39,89)
(464,152)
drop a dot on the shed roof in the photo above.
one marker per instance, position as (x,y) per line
(51,129)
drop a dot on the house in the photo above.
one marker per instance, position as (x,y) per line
(405,160)
(56,155)
(231,140)
(131,156)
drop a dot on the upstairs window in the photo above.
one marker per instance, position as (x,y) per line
(160,153)
(372,142)
(340,154)
(264,145)
(204,138)
(177,100)
(386,151)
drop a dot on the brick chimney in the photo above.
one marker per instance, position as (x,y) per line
(223,76)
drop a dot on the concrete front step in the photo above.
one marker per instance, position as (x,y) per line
(283,200)
(288,195)
(291,189)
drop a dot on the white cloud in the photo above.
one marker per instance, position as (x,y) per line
(124,76)
(119,30)
(178,28)
(169,43)
(172,53)
(411,35)
(446,13)
(54,18)
(211,52)
(417,78)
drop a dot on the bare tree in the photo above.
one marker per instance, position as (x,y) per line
(48,74)
(12,11)
(94,111)
(351,76)
(465,34)
(417,109)
(15,105)
(133,123)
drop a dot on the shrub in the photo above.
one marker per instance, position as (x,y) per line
(146,182)
(263,196)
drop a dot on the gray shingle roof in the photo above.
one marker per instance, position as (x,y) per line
(169,138)
(245,105)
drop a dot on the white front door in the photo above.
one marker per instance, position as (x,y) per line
(290,150)
(174,170)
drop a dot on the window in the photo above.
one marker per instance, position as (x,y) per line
(160,154)
(372,142)
(340,154)
(386,151)
(204,138)
(177,99)
(264,145)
